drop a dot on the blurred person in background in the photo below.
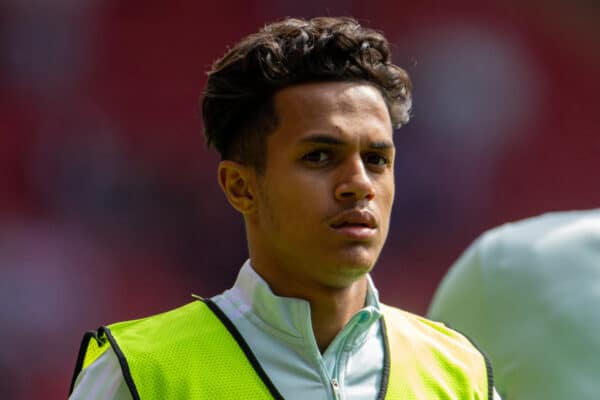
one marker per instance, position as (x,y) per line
(302,114)
(527,293)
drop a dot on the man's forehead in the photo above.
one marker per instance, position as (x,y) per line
(347,94)
(331,103)
(334,113)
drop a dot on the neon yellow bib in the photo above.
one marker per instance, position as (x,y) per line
(194,352)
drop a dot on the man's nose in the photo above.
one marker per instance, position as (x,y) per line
(354,182)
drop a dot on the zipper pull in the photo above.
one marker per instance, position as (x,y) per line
(336,388)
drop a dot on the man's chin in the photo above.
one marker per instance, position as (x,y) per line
(348,272)
(356,259)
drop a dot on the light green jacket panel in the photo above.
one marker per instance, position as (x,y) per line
(528,294)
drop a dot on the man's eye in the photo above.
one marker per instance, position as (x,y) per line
(376,159)
(317,156)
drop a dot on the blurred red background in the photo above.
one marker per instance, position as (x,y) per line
(110,208)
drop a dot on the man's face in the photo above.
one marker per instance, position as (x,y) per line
(323,203)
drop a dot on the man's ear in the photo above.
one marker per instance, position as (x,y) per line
(237,181)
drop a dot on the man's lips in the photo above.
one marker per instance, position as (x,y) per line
(354,217)
(357,224)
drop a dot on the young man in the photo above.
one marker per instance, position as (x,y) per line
(302,113)
(528,293)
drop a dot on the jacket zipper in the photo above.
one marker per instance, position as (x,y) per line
(335,386)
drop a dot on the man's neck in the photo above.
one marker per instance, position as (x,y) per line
(329,314)
(331,308)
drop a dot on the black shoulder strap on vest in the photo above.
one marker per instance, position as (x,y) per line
(245,348)
(385,374)
(101,335)
(488,368)
(488,364)
(123,362)
(81,356)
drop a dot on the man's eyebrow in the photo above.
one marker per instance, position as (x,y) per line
(332,140)
(382,145)
(323,139)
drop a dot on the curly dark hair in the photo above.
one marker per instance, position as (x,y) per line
(237,105)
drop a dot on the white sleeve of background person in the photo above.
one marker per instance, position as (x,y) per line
(527,293)
(102,380)
(460,301)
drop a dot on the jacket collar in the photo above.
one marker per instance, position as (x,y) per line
(291,316)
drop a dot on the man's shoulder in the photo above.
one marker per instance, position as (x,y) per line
(100,349)
(165,317)
(400,320)
(167,326)
(195,325)
(424,335)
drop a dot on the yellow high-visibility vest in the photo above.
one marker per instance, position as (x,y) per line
(195,352)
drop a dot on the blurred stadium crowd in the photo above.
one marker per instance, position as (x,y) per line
(110,208)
